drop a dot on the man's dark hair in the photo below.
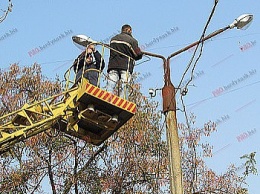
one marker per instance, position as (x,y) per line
(125,27)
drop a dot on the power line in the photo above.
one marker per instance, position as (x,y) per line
(196,61)
(51,62)
(214,39)
(230,91)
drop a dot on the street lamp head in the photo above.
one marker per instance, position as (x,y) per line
(82,41)
(242,22)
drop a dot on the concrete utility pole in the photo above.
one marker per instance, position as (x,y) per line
(169,109)
(169,105)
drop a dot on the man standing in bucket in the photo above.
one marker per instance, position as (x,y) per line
(123,54)
(91,62)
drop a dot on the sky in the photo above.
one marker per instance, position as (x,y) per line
(225,87)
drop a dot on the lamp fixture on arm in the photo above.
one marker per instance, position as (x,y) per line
(242,22)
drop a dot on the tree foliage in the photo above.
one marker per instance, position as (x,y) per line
(198,178)
(132,160)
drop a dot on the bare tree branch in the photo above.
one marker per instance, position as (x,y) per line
(9,9)
(69,183)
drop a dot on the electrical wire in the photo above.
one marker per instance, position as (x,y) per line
(196,61)
(201,49)
(56,61)
(193,66)
(170,46)
(148,59)
(214,39)
(230,91)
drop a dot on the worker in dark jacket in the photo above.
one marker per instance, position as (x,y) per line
(89,61)
(124,53)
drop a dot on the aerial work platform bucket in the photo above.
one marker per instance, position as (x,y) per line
(99,114)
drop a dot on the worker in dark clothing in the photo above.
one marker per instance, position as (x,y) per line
(91,63)
(122,58)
